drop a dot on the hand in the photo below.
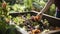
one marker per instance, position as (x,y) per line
(36,31)
(36,18)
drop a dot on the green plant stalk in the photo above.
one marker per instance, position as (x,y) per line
(28,4)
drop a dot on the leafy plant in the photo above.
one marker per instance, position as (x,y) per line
(4,17)
(52,10)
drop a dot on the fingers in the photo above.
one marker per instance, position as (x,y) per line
(36,18)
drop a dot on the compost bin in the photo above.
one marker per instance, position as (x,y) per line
(53,21)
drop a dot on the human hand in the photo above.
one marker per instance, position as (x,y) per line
(36,18)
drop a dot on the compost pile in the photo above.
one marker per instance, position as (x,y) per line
(28,24)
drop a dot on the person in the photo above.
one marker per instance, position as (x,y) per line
(57,4)
(46,7)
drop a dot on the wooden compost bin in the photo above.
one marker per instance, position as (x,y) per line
(52,20)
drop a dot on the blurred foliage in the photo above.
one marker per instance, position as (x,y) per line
(52,10)
(42,3)
(4,17)
(18,20)
(28,5)
(20,6)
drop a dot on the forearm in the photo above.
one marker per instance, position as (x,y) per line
(46,7)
